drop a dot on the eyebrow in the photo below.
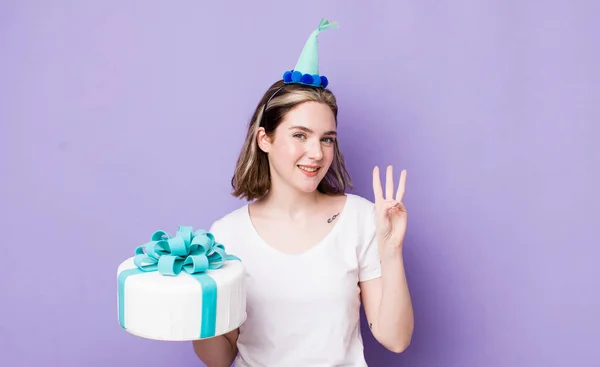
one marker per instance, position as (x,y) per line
(305,129)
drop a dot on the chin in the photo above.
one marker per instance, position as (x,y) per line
(308,186)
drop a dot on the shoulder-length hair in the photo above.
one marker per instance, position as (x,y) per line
(251,178)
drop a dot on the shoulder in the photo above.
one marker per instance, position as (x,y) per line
(360,206)
(230,220)
(231,229)
(359,217)
(361,201)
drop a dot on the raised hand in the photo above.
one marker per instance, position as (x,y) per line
(391,215)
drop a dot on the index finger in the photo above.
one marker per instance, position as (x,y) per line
(377,190)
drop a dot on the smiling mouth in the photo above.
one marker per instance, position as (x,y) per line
(308,169)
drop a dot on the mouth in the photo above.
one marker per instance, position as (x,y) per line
(309,170)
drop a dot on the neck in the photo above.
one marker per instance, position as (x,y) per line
(283,200)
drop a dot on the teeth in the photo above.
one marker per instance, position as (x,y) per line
(307,169)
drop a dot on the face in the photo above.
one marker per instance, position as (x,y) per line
(302,148)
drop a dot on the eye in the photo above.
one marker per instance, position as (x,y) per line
(299,136)
(329,140)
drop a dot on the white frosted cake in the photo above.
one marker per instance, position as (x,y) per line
(180,288)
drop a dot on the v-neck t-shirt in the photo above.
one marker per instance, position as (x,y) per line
(304,309)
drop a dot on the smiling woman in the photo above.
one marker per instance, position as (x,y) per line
(305,119)
(312,253)
(308,119)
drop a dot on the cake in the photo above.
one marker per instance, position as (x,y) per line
(180,288)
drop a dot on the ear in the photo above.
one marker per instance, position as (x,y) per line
(263,141)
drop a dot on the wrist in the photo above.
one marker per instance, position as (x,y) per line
(390,253)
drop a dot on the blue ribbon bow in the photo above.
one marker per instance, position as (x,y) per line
(188,251)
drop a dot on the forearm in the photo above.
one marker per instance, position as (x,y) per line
(395,317)
(219,351)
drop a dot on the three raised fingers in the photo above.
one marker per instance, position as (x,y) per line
(389,185)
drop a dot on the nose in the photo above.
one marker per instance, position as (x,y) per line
(314,150)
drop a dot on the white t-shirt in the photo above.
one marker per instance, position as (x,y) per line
(303,310)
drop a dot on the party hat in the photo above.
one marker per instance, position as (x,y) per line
(306,70)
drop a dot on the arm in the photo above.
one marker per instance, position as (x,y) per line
(386,299)
(387,303)
(219,351)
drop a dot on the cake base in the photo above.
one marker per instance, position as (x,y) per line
(184,307)
(184,340)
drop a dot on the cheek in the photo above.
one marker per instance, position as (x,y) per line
(329,153)
(289,151)
(295,148)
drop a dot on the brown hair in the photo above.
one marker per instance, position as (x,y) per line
(251,178)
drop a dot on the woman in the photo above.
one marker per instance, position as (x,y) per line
(312,252)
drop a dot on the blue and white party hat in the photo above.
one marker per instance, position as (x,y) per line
(306,70)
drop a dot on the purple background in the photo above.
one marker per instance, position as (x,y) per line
(120,118)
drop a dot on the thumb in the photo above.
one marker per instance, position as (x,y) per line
(383,211)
